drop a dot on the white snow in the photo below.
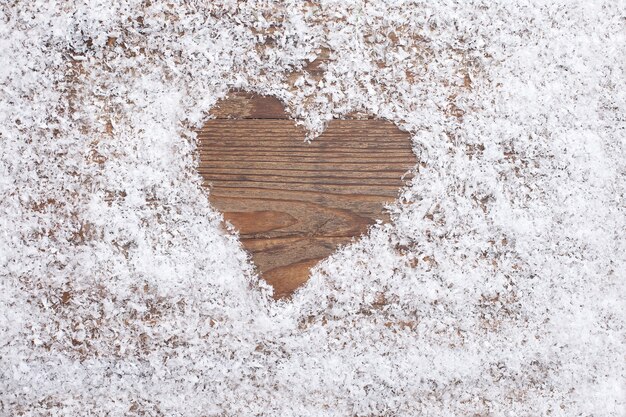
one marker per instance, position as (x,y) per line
(497,290)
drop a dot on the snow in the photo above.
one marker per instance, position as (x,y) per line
(498,289)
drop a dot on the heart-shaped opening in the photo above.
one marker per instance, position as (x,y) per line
(294,202)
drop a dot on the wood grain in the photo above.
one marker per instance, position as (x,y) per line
(245,105)
(293,202)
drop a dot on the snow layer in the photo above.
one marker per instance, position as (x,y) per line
(497,290)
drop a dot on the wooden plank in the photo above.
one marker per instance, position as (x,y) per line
(244,105)
(293,202)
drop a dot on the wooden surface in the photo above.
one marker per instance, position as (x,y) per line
(293,202)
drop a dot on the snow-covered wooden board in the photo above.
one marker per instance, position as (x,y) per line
(498,289)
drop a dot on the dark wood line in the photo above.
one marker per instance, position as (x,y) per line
(258,127)
(370,153)
(268,166)
(256,139)
(201,167)
(391,183)
(330,148)
(392,175)
(243,185)
(343,123)
(300,237)
(304,196)
(305,160)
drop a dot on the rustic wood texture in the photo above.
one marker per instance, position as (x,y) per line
(293,202)
(245,105)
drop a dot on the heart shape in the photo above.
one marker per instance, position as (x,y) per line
(293,202)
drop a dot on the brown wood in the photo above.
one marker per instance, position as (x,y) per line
(244,105)
(293,202)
